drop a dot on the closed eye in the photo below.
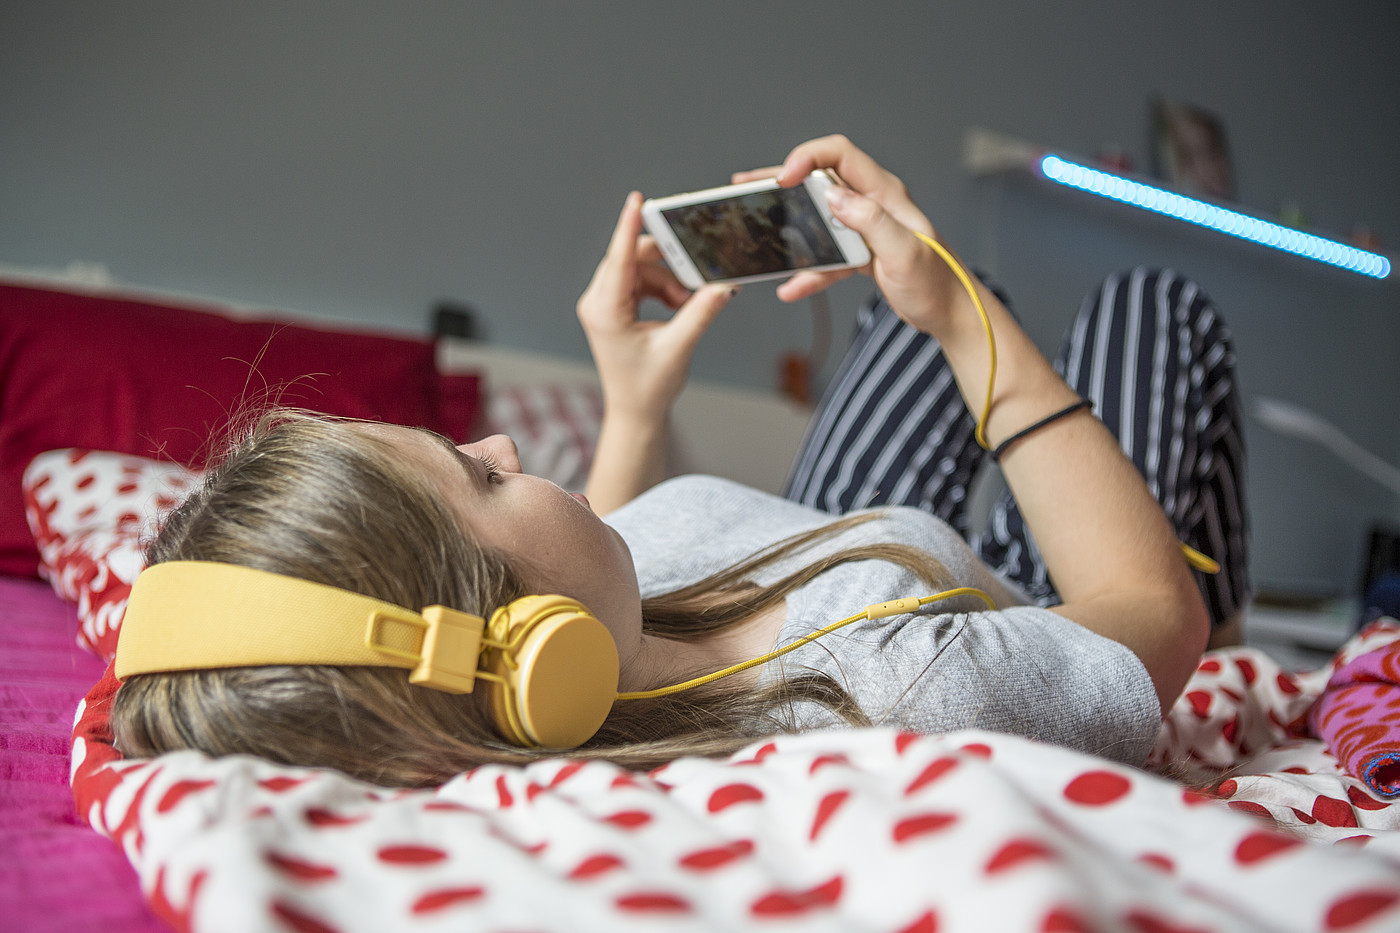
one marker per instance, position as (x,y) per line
(493,469)
(488,463)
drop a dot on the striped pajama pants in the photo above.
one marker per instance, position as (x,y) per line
(1146,347)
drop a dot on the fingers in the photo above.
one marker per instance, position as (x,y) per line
(620,259)
(835,152)
(694,317)
(806,284)
(647,250)
(877,226)
(755,174)
(655,278)
(615,272)
(840,155)
(629,271)
(659,282)
(857,171)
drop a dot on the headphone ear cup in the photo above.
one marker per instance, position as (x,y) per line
(560,676)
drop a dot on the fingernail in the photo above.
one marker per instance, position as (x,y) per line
(838,198)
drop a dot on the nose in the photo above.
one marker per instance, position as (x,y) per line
(500,448)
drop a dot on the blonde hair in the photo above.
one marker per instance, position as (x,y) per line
(315,498)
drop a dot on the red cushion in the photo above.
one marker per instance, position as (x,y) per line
(160,380)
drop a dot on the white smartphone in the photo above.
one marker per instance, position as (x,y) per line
(752,231)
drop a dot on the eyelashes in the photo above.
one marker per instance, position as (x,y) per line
(493,469)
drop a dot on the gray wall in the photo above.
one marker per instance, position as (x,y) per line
(359,161)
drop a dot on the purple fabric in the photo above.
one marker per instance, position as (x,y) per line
(56,874)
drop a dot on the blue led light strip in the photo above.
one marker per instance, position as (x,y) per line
(1209,215)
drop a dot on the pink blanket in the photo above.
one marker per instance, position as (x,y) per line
(56,874)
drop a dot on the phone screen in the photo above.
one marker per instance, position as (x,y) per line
(754,234)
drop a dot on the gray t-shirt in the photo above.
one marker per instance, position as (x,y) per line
(953,665)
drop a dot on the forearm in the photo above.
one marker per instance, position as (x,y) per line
(630,458)
(1108,546)
(1106,542)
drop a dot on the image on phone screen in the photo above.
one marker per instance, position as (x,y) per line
(754,234)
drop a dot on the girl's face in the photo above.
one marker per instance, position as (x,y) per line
(558,542)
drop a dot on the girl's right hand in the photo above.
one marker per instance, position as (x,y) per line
(643,364)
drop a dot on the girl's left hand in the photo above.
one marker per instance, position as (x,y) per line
(642,364)
(876,204)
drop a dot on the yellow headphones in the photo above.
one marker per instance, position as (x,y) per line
(550,665)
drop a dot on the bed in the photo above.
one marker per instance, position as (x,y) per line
(1279,816)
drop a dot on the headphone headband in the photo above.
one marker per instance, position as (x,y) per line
(552,667)
(196,615)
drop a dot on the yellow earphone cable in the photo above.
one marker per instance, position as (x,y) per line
(877,611)
(908,604)
(1193,557)
(1198,560)
(971,290)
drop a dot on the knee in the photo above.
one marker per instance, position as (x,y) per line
(1153,295)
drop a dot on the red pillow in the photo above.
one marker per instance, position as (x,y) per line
(159,380)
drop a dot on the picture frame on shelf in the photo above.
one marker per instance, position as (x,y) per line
(1191,150)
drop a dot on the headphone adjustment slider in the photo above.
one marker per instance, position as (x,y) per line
(449,652)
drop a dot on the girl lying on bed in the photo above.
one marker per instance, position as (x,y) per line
(695,574)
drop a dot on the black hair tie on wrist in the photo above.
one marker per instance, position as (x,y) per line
(1048,419)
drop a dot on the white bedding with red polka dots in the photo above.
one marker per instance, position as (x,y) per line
(854,830)
(847,830)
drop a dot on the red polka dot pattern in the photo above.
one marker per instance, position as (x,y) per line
(1302,753)
(650,902)
(1158,861)
(826,808)
(921,825)
(595,865)
(927,923)
(89,511)
(1352,911)
(482,851)
(294,919)
(411,855)
(301,870)
(1097,788)
(788,903)
(932,773)
(717,857)
(628,819)
(1259,846)
(435,901)
(866,828)
(731,794)
(1016,852)
(1064,920)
